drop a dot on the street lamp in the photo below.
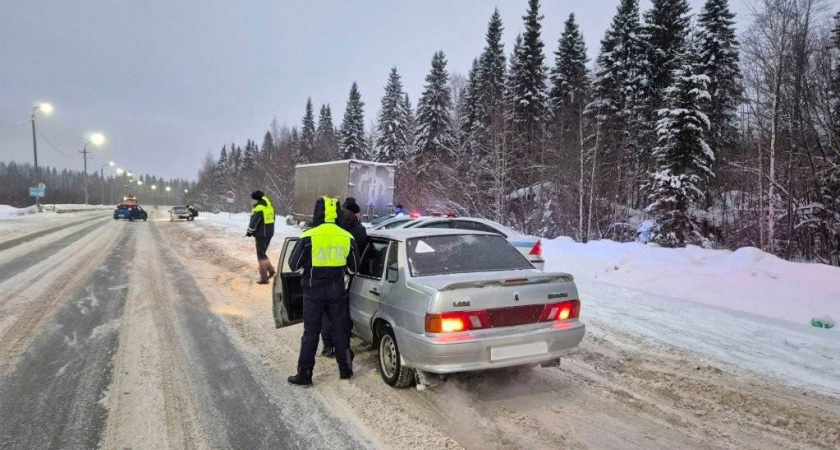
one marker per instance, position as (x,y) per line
(102,180)
(96,139)
(45,108)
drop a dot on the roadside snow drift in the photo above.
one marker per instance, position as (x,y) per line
(747,280)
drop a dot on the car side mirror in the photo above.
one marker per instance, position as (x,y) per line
(392,274)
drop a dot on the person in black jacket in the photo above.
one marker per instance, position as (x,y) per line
(325,252)
(261,227)
(348,220)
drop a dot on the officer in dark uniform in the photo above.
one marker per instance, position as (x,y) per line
(261,228)
(324,252)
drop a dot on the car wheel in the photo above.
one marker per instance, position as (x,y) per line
(390,365)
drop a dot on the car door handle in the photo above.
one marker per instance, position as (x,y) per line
(375,292)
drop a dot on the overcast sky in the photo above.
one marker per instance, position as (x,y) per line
(169,80)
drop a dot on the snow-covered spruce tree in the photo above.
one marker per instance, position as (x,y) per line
(433,133)
(326,143)
(568,97)
(683,159)
(468,106)
(353,127)
(307,136)
(664,35)
(268,149)
(528,101)
(835,81)
(718,49)
(410,123)
(392,139)
(490,76)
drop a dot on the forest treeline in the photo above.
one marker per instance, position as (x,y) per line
(680,132)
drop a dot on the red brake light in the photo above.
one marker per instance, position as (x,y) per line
(537,248)
(570,309)
(449,322)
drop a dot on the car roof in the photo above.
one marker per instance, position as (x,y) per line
(488,222)
(401,234)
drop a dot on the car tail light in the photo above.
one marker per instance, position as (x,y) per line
(555,312)
(536,249)
(449,322)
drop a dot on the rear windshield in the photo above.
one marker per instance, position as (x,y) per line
(438,255)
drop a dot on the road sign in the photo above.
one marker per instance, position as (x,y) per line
(42,186)
(230,196)
(36,192)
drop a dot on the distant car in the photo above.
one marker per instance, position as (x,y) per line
(178,213)
(445,300)
(530,246)
(130,212)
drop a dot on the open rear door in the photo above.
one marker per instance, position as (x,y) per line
(287,302)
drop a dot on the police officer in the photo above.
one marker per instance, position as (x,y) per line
(261,228)
(324,252)
(348,218)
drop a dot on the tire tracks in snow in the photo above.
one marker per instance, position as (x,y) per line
(14,242)
(52,398)
(31,298)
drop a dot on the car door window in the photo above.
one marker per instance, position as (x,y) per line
(373,260)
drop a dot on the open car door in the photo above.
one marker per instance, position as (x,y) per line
(287,294)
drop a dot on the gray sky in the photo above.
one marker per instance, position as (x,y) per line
(169,80)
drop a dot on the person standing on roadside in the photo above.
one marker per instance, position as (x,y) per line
(261,228)
(325,252)
(348,219)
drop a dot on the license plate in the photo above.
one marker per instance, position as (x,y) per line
(518,351)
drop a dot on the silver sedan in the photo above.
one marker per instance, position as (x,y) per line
(436,301)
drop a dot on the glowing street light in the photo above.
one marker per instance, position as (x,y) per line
(154,187)
(168,188)
(139,182)
(96,139)
(186,191)
(45,108)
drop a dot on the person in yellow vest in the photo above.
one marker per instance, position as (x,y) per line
(325,252)
(261,228)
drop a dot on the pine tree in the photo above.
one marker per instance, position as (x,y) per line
(326,143)
(268,150)
(664,34)
(353,127)
(683,159)
(392,138)
(527,85)
(410,126)
(249,157)
(469,103)
(433,133)
(223,159)
(490,74)
(569,77)
(307,135)
(718,47)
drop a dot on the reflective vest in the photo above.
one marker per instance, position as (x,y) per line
(267,211)
(330,243)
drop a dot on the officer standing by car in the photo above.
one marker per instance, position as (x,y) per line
(324,252)
(348,218)
(261,228)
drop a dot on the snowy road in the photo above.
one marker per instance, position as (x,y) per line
(154,335)
(117,347)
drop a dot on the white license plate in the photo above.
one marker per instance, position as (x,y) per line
(518,351)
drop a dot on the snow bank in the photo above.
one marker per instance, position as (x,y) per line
(237,223)
(747,280)
(10,212)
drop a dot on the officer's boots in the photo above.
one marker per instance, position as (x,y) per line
(302,378)
(264,274)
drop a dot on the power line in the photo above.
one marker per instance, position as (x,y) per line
(50,143)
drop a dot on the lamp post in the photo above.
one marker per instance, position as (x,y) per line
(102,180)
(95,139)
(45,108)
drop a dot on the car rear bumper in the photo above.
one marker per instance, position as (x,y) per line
(489,349)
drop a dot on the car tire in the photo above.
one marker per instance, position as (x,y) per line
(390,365)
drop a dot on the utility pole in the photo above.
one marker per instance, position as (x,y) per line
(84,153)
(45,108)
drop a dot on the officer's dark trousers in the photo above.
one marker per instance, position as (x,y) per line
(327,298)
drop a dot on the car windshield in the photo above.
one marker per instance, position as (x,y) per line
(439,255)
(179,209)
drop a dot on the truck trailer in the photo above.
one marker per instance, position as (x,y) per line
(370,183)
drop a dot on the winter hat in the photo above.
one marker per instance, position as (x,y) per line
(353,207)
(257,195)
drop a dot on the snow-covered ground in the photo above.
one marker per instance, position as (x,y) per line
(10,212)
